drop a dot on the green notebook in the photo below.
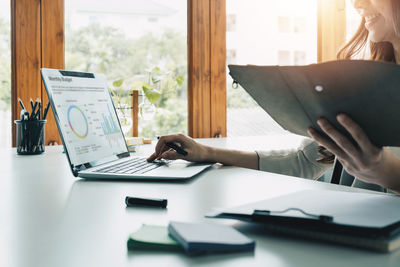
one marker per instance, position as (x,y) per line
(152,237)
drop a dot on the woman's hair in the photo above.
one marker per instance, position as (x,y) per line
(381,51)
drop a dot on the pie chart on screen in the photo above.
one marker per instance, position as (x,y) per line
(77,121)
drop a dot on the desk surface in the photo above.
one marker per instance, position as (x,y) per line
(49,218)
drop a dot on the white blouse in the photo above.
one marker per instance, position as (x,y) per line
(302,162)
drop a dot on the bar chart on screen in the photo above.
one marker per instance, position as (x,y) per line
(108,124)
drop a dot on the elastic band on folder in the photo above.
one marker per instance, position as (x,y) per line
(235,84)
(261,213)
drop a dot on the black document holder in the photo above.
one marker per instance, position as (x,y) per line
(297,96)
(370,218)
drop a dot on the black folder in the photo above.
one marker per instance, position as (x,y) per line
(364,220)
(297,96)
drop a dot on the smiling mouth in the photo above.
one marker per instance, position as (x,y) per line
(371,19)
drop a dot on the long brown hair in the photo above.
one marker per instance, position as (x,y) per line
(381,51)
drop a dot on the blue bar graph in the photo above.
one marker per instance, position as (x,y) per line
(109,125)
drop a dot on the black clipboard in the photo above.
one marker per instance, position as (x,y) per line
(372,218)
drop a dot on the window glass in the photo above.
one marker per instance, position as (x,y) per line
(267,32)
(5,75)
(137,44)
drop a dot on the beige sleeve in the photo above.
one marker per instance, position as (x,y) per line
(300,162)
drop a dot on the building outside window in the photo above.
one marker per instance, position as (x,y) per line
(230,56)
(284,57)
(299,24)
(267,33)
(231,22)
(299,58)
(284,24)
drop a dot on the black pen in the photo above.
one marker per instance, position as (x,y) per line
(148,202)
(39,110)
(21,103)
(33,109)
(46,110)
(178,149)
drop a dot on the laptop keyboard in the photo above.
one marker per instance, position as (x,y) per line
(133,166)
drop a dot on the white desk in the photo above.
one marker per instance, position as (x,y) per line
(48,218)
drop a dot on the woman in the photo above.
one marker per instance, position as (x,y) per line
(375,168)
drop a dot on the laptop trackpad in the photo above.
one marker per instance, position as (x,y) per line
(179,168)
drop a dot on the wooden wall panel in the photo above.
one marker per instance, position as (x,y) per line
(52,51)
(25,58)
(206,68)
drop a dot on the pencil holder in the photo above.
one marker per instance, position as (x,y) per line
(30,136)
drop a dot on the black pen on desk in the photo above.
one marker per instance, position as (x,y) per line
(145,202)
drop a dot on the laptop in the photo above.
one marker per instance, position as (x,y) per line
(91,133)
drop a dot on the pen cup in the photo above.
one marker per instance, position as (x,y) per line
(30,136)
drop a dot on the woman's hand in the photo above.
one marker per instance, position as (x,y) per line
(363,160)
(201,153)
(196,151)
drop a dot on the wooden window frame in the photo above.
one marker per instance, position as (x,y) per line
(37,36)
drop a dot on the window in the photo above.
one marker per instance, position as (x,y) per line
(5,75)
(299,58)
(284,24)
(300,25)
(284,58)
(269,32)
(292,24)
(231,56)
(231,22)
(136,44)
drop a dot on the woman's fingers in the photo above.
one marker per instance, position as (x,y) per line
(332,147)
(356,132)
(161,147)
(152,157)
(341,140)
(171,155)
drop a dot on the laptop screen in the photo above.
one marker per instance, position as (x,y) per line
(85,115)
